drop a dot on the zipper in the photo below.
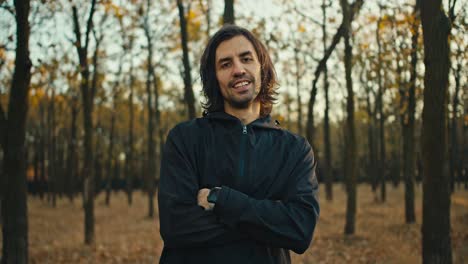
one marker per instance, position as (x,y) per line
(242,151)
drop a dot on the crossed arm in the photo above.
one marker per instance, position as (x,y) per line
(188,220)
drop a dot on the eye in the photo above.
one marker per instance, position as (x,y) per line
(225,65)
(247,59)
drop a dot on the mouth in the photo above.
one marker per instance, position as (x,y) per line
(241,85)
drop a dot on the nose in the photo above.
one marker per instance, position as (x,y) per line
(238,68)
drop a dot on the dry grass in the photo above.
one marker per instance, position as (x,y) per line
(381,233)
(125,235)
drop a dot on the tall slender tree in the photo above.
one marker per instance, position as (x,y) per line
(455,170)
(350,135)
(353,9)
(151,163)
(130,159)
(436,239)
(409,155)
(110,151)
(52,146)
(371,144)
(382,163)
(72,156)
(326,120)
(87,93)
(13,126)
(187,75)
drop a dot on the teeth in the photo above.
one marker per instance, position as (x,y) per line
(241,84)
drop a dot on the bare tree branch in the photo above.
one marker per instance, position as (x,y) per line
(307,17)
(89,25)
(451,11)
(322,64)
(8,8)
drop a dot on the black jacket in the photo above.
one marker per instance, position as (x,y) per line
(268,201)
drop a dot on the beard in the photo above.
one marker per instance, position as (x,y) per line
(243,101)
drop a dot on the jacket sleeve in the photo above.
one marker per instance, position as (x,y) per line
(183,223)
(288,223)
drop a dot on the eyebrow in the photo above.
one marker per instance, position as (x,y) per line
(242,54)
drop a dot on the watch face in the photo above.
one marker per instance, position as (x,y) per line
(213,195)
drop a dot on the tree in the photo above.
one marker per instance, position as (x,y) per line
(298,73)
(371,142)
(52,145)
(87,92)
(353,9)
(350,135)
(188,90)
(152,122)
(455,164)
(326,121)
(409,155)
(130,160)
(436,239)
(110,151)
(382,162)
(13,127)
(72,156)
(228,16)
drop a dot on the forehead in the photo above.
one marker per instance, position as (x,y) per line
(234,47)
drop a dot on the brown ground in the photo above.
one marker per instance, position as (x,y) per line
(125,235)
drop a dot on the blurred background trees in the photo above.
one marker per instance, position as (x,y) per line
(110,78)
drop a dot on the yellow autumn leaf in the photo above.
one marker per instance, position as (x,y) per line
(301,29)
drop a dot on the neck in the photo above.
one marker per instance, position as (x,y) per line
(245,115)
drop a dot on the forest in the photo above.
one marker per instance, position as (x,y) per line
(89,90)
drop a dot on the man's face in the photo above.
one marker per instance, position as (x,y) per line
(238,72)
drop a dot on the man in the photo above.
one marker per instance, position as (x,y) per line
(236,188)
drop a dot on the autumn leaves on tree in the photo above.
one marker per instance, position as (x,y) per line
(108,86)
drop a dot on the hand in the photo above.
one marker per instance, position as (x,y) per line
(203,199)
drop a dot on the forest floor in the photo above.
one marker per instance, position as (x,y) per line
(125,235)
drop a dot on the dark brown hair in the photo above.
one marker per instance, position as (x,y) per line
(211,91)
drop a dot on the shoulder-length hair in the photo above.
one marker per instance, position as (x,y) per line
(214,99)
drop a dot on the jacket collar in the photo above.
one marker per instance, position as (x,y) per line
(262,122)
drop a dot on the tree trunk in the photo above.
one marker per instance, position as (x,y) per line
(436,239)
(326,122)
(87,93)
(157,158)
(382,169)
(110,151)
(464,158)
(14,196)
(72,157)
(372,156)
(350,162)
(52,147)
(454,168)
(228,16)
(188,90)
(130,160)
(151,172)
(409,155)
(42,152)
(298,90)
(36,164)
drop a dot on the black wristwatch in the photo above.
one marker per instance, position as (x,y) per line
(213,195)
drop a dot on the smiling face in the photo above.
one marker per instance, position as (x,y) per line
(238,73)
